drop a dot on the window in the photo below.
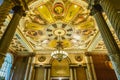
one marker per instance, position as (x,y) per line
(1,1)
(6,67)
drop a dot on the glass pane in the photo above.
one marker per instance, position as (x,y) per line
(5,69)
(1,1)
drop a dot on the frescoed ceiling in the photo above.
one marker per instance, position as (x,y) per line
(45,22)
(48,21)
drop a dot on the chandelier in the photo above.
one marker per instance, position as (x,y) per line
(59,54)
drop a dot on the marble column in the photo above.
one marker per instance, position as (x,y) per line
(9,32)
(111,45)
(112,14)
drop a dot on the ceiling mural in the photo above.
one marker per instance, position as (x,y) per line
(16,45)
(50,22)
(45,23)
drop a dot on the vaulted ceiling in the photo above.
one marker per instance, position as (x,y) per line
(48,21)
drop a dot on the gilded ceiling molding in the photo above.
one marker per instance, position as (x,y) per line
(81,51)
(24,54)
(16,45)
(68,51)
(23,40)
(82,3)
(94,42)
(96,53)
(37,3)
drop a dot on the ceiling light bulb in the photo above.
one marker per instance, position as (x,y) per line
(75,6)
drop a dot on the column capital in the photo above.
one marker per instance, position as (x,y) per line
(19,10)
(93,2)
(95,8)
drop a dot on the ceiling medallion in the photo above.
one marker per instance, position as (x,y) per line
(41,58)
(59,29)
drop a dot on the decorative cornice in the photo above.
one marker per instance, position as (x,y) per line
(68,51)
(73,51)
(24,54)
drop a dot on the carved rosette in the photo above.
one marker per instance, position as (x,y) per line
(41,58)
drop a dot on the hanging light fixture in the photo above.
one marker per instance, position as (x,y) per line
(59,54)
